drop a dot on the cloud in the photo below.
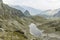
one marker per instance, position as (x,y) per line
(38,4)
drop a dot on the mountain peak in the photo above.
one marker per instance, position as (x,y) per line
(27,13)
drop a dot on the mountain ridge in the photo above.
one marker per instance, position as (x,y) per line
(32,11)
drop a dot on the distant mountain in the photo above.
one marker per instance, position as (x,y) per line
(57,14)
(50,13)
(26,13)
(47,13)
(32,11)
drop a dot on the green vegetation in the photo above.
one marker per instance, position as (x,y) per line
(12,36)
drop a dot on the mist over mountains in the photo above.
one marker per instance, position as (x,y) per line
(43,13)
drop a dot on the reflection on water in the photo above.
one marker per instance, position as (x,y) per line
(34,30)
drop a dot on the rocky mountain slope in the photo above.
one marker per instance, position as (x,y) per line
(14,24)
(5,9)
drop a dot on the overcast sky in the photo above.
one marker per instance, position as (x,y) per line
(38,4)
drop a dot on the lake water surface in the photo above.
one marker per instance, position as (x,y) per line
(34,30)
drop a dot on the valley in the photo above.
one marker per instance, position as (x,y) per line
(14,24)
